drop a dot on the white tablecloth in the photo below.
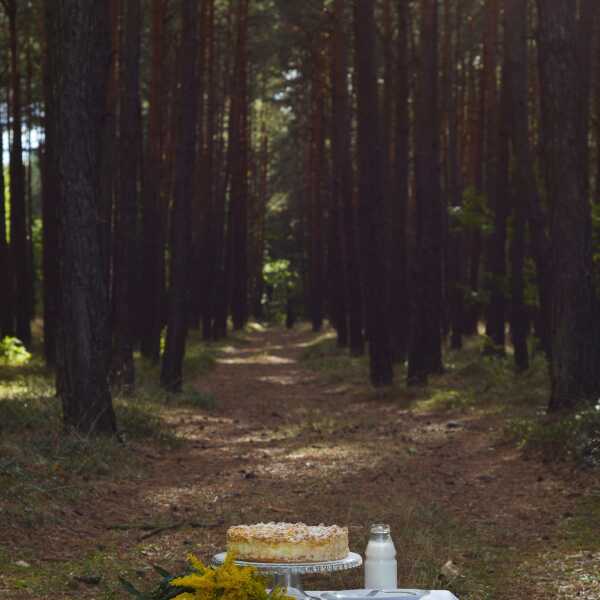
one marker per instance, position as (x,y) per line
(399,594)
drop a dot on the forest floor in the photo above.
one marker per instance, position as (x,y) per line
(284,427)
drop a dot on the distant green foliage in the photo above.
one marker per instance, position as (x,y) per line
(474,298)
(473,214)
(283,280)
(532,296)
(277,272)
(13,352)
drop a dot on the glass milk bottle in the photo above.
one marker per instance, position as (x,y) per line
(381,568)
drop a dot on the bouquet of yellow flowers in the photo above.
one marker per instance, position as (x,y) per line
(226,582)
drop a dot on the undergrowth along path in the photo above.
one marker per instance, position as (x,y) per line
(297,435)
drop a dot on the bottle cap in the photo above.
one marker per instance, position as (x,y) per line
(380,529)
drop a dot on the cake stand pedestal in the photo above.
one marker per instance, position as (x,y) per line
(289,575)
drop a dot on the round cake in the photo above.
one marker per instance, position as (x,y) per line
(287,542)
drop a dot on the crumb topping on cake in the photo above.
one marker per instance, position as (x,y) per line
(286,532)
(288,542)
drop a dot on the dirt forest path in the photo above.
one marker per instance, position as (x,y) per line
(284,443)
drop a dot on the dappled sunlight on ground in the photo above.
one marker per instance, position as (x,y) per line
(315,341)
(259,359)
(262,349)
(289,379)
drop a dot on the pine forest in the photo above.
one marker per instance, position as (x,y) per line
(329,261)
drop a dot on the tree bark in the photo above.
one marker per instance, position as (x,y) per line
(495,188)
(399,289)
(477,126)
(371,193)
(110,165)
(574,362)
(127,200)
(425,355)
(201,203)
(29,200)
(221,296)
(238,149)
(172,367)
(336,248)
(7,317)
(18,210)
(81,58)
(316,206)
(588,13)
(50,197)
(153,232)
(516,77)
(455,267)
(213,252)
(343,172)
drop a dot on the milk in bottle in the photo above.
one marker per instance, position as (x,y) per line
(381,568)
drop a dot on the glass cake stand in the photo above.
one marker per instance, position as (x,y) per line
(288,575)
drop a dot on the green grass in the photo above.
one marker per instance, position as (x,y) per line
(573,437)
(41,469)
(334,364)
(65,577)
(471,378)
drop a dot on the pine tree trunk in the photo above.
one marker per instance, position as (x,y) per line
(237,274)
(29,124)
(201,203)
(399,290)
(574,363)
(262,196)
(171,376)
(80,58)
(18,210)
(498,303)
(425,355)
(220,296)
(152,226)
(7,297)
(496,243)
(388,131)
(212,252)
(317,158)
(477,111)
(110,165)
(50,198)
(588,13)
(372,200)
(516,68)
(455,258)
(537,222)
(336,249)
(343,175)
(127,199)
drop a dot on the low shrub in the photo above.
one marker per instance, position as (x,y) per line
(566,437)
